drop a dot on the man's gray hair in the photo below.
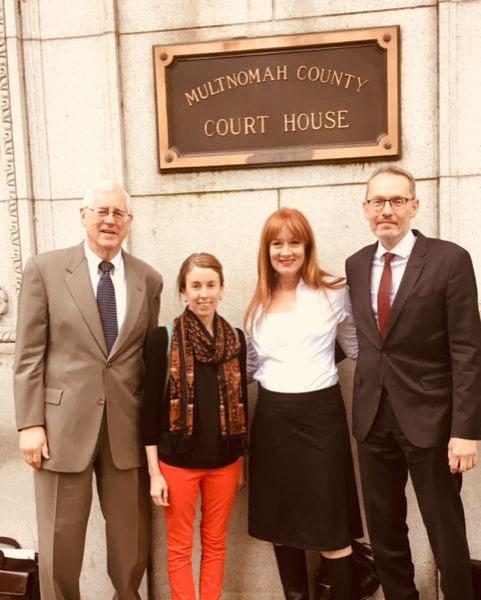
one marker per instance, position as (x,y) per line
(394,170)
(105,185)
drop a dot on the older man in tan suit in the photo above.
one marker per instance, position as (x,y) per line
(83,316)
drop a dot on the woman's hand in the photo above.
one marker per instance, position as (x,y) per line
(159,490)
(241,482)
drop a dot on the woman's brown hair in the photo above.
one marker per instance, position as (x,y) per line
(311,273)
(202,260)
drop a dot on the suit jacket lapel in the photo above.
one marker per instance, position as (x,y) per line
(135,298)
(412,272)
(80,286)
(364,290)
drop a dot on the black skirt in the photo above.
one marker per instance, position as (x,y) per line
(302,489)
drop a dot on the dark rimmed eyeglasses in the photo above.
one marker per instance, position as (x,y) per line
(396,203)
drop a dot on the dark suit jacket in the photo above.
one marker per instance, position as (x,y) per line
(64,379)
(430,360)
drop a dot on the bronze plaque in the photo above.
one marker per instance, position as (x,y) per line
(291,99)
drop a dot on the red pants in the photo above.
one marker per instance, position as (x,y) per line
(218,489)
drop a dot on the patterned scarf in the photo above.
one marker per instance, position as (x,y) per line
(191,340)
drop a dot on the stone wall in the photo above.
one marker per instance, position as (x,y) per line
(77,105)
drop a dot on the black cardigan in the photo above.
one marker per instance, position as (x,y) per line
(205,449)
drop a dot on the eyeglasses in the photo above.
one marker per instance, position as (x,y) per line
(119,216)
(396,203)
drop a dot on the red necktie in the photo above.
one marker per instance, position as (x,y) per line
(384,294)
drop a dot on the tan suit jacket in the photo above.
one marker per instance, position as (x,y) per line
(64,379)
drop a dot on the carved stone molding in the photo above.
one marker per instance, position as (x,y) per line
(3,302)
(7,150)
(7,334)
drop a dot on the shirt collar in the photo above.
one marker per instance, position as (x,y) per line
(403,248)
(94,260)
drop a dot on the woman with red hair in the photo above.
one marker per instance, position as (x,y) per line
(302,492)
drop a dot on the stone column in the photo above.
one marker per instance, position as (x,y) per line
(460,168)
(16,243)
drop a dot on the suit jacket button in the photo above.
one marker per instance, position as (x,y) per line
(101,401)
(385,355)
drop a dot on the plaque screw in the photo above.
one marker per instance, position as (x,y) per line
(387,37)
(169,157)
(388,146)
(163,56)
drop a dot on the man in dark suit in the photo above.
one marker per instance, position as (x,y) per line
(417,387)
(83,317)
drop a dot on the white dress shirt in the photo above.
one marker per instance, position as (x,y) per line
(293,351)
(401,252)
(118,279)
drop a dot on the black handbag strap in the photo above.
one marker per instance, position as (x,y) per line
(10,542)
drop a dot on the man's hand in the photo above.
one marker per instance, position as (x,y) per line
(33,446)
(462,455)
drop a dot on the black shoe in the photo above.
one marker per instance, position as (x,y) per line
(291,563)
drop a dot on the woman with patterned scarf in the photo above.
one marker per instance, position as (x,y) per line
(194,425)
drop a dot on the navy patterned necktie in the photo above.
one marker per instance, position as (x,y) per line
(106,303)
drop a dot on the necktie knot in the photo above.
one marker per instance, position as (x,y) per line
(388,256)
(106,266)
